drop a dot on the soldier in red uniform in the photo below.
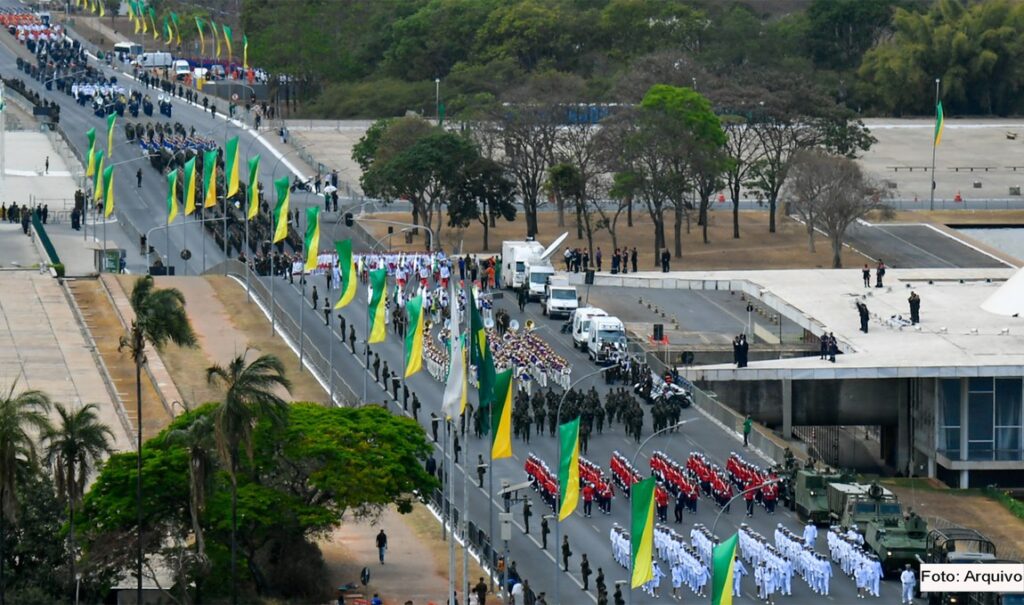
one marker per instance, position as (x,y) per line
(769,495)
(748,495)
(588,498)
(661,503)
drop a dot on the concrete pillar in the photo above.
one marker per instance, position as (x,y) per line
(787,408)
(965,479)
(903,428)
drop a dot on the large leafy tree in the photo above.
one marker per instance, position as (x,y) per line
(250,396)
(303,477)
(159,318)
(973,48)
(484,194)
(22,415)
(75,447)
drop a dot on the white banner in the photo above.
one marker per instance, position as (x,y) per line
(972,577)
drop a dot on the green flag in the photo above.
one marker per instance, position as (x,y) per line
(569,467)
(723,558)
(253,192)
(231,167)
(480,354)
(641,531)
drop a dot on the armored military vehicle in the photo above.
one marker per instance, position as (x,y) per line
(810,488)
(896,539)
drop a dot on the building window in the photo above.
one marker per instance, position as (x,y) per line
(949,404)
(1008,413)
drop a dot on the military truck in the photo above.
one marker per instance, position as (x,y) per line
(896,539)
(963,545)
(810,488)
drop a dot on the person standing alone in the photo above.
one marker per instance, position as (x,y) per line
(382,545)
(748,424)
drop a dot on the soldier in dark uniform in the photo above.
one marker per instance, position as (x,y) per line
(585,572)
(527,513)
(416,412)
(915,308)
(566,553)
(481,470)
(544,531)
(665,258)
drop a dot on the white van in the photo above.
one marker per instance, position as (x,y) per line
(581,325)
(606,340)
(154,60)
(181,68)
(560,299)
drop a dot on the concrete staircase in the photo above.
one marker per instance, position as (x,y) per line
(106,329)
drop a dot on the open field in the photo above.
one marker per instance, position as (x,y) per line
(756,248)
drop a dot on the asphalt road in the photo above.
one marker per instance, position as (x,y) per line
(915,246)
(145,209)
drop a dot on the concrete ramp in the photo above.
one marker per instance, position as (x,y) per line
(1008,300)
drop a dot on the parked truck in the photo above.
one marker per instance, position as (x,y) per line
(527,262)
(581,325)
(606,340)
(560,299)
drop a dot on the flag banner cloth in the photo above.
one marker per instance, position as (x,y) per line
(97,177)
(281,210)
(253,193)
(940,123)
(347,268)
(90,168)
(569,467)
(231,167)
(312,243)
(172,195)
(108,192)
(110,134)
(413,336)
(454,401)
(210,178)
(501,416)
(641,531)
(723,558)
(378,304)
(480,355)
(190,187)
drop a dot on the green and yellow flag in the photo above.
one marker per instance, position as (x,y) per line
(110,134)
(174,22)
(190,187)
(253,192)
(108,192)
(378,302)
(209,178)
(641,531)
(172,195)
(202,38)
(569,467)
(97,177)
(723,558)
(227,40)
(152,21)
(142,18)
(103,12)
(312,243)
(168,33)
(940,123)
(347,268)
(90,168)
(480,354)
(245,51)
(231,167)
(501,416)
(281,210)
(216,36)
(414,336)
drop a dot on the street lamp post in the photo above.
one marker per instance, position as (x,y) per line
(632,464)
(719,516)
(558,496)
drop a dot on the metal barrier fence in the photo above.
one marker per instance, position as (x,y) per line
(314,356)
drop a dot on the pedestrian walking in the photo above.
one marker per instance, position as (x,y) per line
(481,470)
(867,276)
(138,178)
(316,299)
(46,165)
(748,425)
(382,545)
(908,580)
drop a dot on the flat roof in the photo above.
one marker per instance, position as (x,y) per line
(956,337)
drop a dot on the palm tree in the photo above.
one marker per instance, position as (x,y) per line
(74,449)
(196,439)
(21,416)
(249,397)
(159,317)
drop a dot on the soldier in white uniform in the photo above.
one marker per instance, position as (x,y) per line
(908,580)
(738,571)
(810,534)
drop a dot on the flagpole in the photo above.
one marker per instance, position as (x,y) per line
(201,227)
(302,314)
(184,234)
(167,238)
(330,354)
(451,522)
(273,275)
(931,193)
(465,516)
(248,253)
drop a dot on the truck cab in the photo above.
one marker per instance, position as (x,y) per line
(560,299)
(538,272)
(606,339)
(581,325)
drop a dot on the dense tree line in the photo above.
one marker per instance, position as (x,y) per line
(877,57)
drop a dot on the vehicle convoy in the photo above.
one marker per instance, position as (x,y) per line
(580,320)
(896,539)
(528,263)
(606,340)
(963,545)
(810,493)
(560,299)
